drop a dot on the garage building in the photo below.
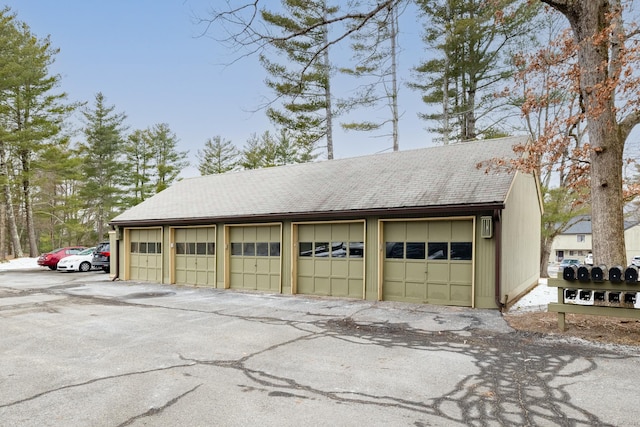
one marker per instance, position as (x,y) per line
(433,225)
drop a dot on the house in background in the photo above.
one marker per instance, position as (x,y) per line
(433,225)
(576,241)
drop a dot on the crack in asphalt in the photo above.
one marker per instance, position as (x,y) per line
(158,410)
(502,393)
(512,385)
(92,381)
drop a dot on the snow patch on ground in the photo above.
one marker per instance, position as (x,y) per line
(20,264)
(537,299)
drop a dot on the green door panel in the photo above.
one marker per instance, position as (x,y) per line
(415,273)
(334,264)
(195,256)
(145,255)
(258,266)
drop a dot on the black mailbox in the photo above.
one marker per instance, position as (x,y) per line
(631,275)
(570,273)
(616,274)
(599,273)
(584,273)
(584,295)
(630,298)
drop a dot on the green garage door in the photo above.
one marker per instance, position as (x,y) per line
(429,262)
(195,256)
(331,259)
(255,257)
(145,252)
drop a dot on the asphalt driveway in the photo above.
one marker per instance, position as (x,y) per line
(79,350)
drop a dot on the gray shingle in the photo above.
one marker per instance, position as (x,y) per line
(430,177)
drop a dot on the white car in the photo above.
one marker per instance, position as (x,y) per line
(588,259)
(78,262)
(636,261)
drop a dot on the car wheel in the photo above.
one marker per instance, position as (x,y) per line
(52,267)
(105,269)
(85,266)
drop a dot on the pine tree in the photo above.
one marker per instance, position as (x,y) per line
(168,160)
(60,216)
(102,162)
(218,156)
(268,151)
(473,38)
(252,154)
(303,85)
(139,155)
(30,111)
(375,50)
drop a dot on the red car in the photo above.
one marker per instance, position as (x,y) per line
(50,259)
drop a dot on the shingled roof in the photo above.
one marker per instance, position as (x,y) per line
(442,177)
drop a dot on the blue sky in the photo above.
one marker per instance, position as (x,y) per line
(145,56)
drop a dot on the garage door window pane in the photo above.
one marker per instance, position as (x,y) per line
(191,248)
(134,247)
(338,249)
(151,247)
(395,250)
(461,251)
(356,249)
(143,247)
(262,249)
(322,249)
(438,250)
(180,248)
(415,250)
(236,249)
(158,247)
(201,248)
(211,248)
(249,249)
(306,249)
(274,248)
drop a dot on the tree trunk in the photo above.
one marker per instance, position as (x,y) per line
(28,206)
(545,253)
(3,229)
(327,93)
(589,20)
(470,114)
(607,220)
(394,78)
(99,223)
(8,199)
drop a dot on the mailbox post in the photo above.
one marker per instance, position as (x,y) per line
(596,291)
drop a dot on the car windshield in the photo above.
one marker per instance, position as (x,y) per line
(87,251)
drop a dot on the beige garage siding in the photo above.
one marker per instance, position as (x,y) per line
(428,261)
(144,250)
(194,252)
(330,259)
(253,257)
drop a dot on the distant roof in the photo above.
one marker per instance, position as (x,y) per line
(429,178)
(581,224)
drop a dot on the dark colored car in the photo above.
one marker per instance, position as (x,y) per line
(568,261)
(102,256)
(50,259)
